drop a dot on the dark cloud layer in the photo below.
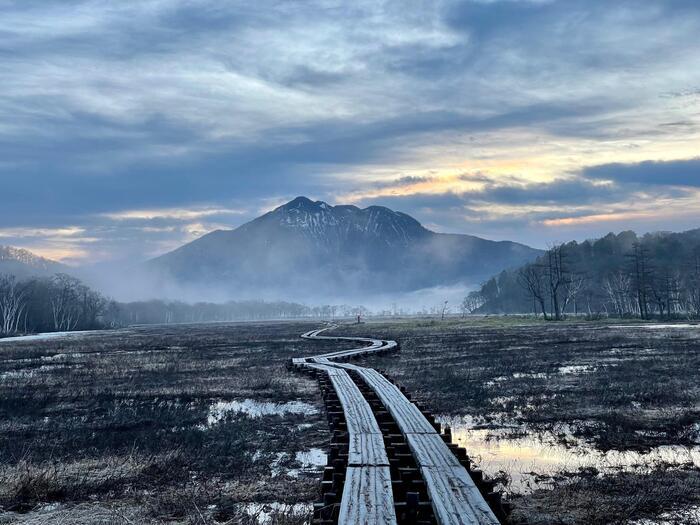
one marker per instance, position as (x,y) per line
(576,191)
(670,173)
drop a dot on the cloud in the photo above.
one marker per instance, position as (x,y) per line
(172,213)
(513,192)
(538,213)
(137,121)
(651,173)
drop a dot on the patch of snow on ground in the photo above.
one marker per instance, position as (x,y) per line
(495,380)
(312,458)
(276,465)
(60,357)
(253,408)
(264,513)
(310,462)
(576,369)
(48,335)
(17,374)
(522,375)
(502,400)
(30,372)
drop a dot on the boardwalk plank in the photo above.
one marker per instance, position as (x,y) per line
(358,414)
(430,451)
(367,450)
(455,498)
(406,414)
(367,497)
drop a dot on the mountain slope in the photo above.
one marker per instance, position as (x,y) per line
(23,263)
(305,244)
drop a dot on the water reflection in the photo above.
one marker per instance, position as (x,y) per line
(524,455)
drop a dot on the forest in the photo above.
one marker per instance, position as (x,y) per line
(167,312)
(49,304)
(624,275)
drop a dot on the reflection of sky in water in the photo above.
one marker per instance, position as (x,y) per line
(519,453)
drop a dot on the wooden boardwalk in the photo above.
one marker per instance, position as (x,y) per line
(419,479)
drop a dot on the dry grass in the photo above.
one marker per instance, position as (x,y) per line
(586,498)
(117,423)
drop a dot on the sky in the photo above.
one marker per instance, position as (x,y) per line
(129,128)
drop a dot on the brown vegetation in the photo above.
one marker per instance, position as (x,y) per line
(119,419)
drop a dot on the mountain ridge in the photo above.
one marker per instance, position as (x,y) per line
(24,263)
(306,243)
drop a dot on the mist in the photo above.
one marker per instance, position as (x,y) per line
(140,282)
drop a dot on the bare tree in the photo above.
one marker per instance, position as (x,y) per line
(557,278)
(675,295)
(65,302)
(641,278)
(692,287)
(531,278)
(445,309)
(618,287)
(93,305)
(572,287)
(464,307)
(12,304)
(664,290)
(473,301)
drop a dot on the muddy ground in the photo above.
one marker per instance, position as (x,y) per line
(205,424)
(622,387)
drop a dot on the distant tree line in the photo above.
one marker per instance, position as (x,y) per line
(48,304)
(64,303)
(165,312)
(657,275)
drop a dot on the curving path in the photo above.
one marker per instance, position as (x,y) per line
(397,470)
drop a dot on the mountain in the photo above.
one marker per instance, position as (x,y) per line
(305,245)
(23,263)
